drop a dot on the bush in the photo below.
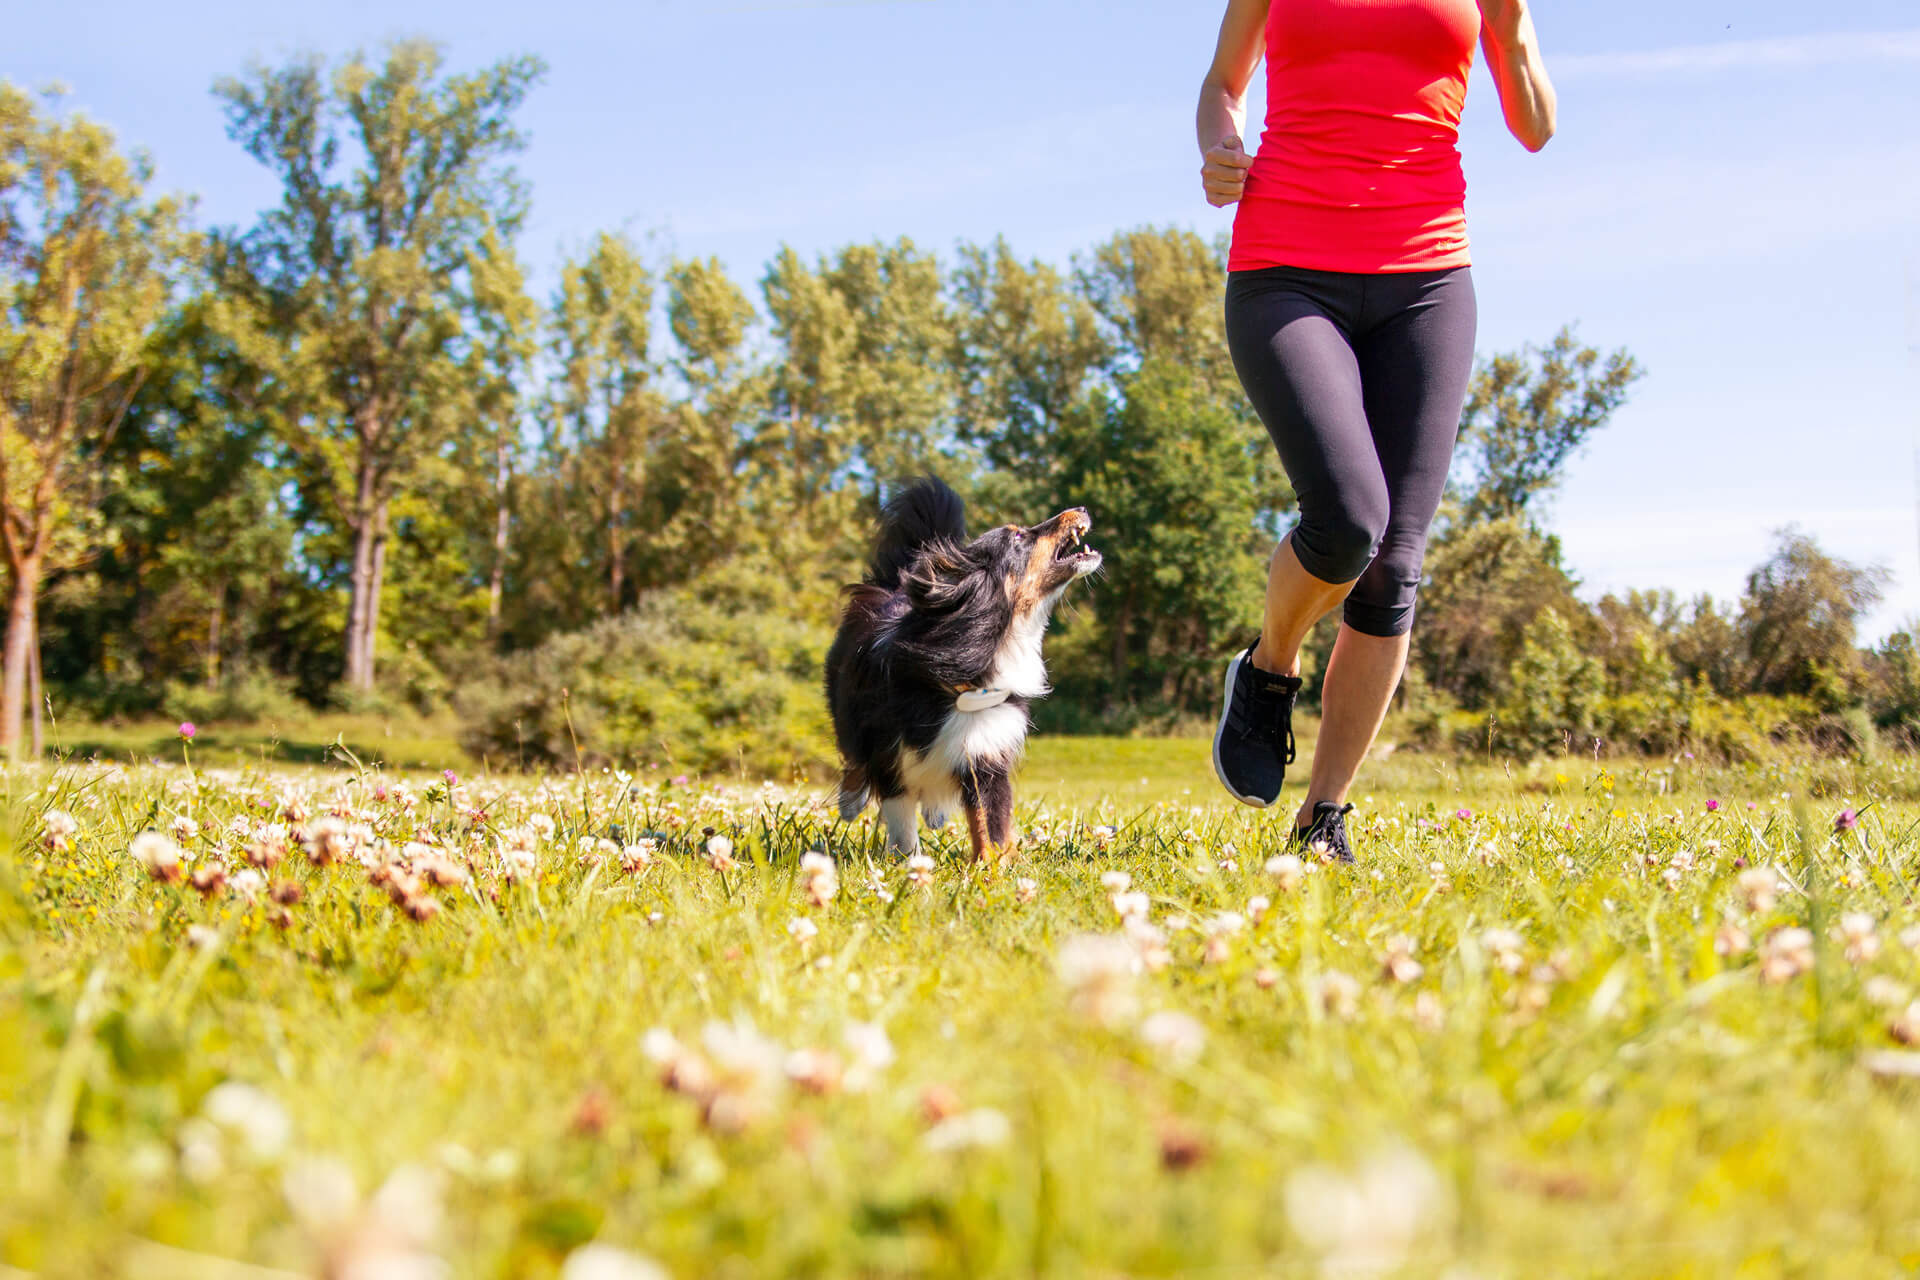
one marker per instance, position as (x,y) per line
(683,682)
(248,695)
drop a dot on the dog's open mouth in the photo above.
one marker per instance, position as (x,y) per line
(1070,549)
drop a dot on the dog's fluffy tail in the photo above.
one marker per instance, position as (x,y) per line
(924,511)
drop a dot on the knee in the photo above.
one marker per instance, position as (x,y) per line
(1382,601)
(1338,544)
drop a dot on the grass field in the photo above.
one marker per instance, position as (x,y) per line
(1563,1019)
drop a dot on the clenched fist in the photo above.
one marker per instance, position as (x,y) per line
(1224,172)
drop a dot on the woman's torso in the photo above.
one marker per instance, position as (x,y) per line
(1359,165)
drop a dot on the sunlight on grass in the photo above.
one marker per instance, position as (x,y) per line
(1575,1018)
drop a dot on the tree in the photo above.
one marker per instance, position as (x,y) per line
(1487,583)
(1527,412)
(497,367)
(84,259)
(606,408)
(861,391)
(1798,619)
(1026,349)
(358,285)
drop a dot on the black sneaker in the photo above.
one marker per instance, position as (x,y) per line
(1329,828)
(1254,744)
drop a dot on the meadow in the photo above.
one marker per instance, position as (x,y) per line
(1567,1018)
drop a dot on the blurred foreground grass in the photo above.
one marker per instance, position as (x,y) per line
(1644,1020)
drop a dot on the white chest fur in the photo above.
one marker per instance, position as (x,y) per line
(997,734)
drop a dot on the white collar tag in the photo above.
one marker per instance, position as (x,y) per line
(980,699)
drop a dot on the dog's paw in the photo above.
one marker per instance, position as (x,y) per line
(852,803)
(936,818)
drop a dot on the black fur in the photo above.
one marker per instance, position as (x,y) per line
(930,619)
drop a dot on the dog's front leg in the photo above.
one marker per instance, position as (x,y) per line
(901,816)
(988,797)
(999,798)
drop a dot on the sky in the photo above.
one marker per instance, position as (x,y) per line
(1733,195)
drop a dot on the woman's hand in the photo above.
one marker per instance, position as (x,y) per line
(1223,96)
(1224,172)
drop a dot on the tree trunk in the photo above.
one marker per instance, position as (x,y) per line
(496,584)
(372,621)
(360,584)
(20,635)
(33,682)
(616,563)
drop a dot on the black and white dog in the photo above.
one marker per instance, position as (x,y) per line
(937,657)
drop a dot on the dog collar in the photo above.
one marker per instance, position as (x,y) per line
(980,699)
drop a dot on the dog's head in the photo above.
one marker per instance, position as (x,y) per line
(1023,570)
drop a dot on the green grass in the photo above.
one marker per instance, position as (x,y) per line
(400,742)
(1599,1092)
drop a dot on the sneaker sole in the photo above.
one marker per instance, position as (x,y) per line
(1220,731)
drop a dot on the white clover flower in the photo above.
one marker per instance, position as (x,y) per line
(720,854)
(250,1114)
(920,871)
(802,930)
(871,1050)
(1369,1222)
(1786,954)
(1176,1037)
(1759,886)
(1856,931)
(1398,962)
(637,857)
(1098,971)
(1025,889)
(1506,947)
(248,883)
(1116,881)
(61,828)
(1131,906)
(158,854)
(981,1127)
(604,1262)
(1287,871)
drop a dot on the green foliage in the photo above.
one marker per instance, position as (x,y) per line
(1527,413)
(1487,583)
(1555,690)
(682,682)
(361,293)
(1798,620)
(86,258)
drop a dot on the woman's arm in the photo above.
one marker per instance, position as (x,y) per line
(1223,101)
(1513,52)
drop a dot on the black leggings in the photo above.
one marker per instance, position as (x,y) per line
(1360,379)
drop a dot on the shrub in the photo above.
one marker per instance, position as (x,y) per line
(248,695)
(682,681)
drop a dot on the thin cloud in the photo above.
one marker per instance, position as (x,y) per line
(1846,47)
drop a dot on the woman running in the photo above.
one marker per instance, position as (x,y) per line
(1350,318)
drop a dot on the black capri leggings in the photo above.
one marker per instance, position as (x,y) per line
(1359,379)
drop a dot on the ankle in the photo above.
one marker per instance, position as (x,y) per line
(1264,659)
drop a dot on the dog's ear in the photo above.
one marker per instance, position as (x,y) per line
(941,578)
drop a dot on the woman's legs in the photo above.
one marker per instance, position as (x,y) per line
(1359,380)
(1415,360)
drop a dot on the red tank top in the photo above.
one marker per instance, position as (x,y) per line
(1359,167)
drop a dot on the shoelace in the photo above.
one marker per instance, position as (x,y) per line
(1329,827)
(1279,729)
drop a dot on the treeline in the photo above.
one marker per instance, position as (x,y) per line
(346,456)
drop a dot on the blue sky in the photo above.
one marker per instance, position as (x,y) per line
(1732,195)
